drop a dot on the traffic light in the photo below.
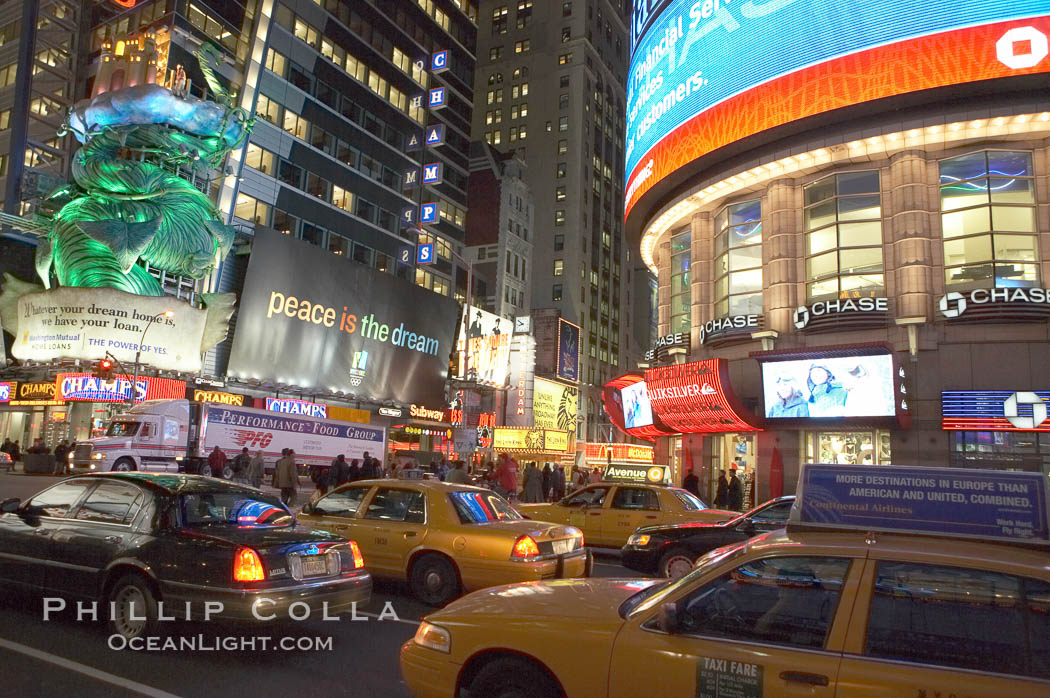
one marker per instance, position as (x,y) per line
(104,369)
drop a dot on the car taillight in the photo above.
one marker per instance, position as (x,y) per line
(359,559)
(247,566)
(524,548)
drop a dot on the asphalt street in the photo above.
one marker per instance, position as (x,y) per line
(66,657)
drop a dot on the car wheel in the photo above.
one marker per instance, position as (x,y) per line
(433,580)
(133,608)
(513,677)
(676,562)
(124,465)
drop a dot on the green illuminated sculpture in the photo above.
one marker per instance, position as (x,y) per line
(127,205)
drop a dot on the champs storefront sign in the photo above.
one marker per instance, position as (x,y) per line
(697,397)
(83,387)
(33,394)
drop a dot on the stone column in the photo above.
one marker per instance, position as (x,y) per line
(700,277)
(783,249)
(912,254)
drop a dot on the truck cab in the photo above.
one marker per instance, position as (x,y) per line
(152,435)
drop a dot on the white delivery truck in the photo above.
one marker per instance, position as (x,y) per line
(178,435)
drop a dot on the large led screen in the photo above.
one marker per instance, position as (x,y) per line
(851,386)
(706,73)
(637,411)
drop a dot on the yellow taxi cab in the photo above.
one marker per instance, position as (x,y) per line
(818,609)
(609,512)
(444,539)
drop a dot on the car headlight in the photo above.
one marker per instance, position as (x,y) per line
(433,637)
(98,456)
(639,539)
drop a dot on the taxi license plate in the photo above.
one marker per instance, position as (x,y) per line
(314,566)
(563,546)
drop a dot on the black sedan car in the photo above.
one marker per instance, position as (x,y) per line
(150,547)
(671,550)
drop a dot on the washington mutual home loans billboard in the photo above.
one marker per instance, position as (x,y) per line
(311,319)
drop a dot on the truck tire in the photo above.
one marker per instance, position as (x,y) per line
(124,465)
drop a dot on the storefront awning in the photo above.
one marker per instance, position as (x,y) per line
(692,398)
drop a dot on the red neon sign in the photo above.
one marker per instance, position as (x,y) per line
(697,398)
(612,401)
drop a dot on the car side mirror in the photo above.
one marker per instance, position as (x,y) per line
(667,618)
(746,526)
(307,509)
(11,505)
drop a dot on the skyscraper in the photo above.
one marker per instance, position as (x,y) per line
(550,84)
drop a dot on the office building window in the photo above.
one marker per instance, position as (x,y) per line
(522,46)
(251,209)
(559,267)
(738,259)
(565,59)
(495,53)
(559,243)
(259,159)
(556,292)
(843,222)
(988,220)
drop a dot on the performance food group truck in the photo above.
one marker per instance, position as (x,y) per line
(178,435)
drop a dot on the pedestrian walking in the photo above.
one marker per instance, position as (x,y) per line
(256,470)
(691,483)
(217,462)
(458,475)
(558,483)
(239,466)
(61,453)
(286,477)
(340,471)
(533,484)
(722,494)
(354,472)
(736,492)
(547,480)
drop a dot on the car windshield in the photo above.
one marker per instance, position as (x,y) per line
(234,508)
(689,500)
(655,595)
(122,429)
(482,507)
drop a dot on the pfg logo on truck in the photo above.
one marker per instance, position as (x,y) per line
(252,439)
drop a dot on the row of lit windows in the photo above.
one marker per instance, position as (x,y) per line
(988,228)
(351,65)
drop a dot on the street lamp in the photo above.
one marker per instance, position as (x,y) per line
(138,353)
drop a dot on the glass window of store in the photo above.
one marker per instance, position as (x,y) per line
(843,222)
(738,259)
(1001,450)
(854,447)
(681,295)
(988,220)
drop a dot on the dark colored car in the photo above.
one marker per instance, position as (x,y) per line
(170,544)
(671,551)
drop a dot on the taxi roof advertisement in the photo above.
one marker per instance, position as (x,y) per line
(311,319)
(985,504)
(706,73)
